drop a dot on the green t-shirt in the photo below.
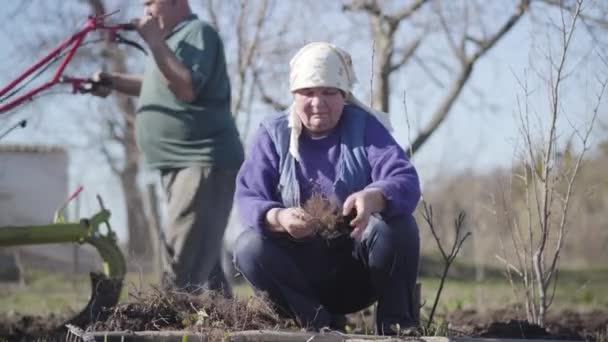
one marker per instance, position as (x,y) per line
(174,134)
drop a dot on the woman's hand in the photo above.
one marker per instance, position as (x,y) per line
(366,202)
(295,221)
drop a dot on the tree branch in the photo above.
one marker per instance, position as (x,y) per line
(266,98)
(406,55)
(408,11)
(467,67)
(601,22)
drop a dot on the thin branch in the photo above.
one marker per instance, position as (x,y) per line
(408,11)
(406,55)
(110,160)
(213,18)
(566,202)
(509,265)
(427,214)
(601,22)
(448,33)
(429,72)
(265,97)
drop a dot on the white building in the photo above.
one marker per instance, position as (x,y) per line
(33,185)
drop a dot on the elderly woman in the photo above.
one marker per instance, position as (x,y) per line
(328,142)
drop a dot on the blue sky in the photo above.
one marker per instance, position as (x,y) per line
(473,139)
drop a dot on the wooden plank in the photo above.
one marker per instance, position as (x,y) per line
(279,336)
(246,336)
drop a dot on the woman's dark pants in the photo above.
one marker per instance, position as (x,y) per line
(314,279)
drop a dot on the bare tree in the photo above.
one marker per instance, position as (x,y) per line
(548,180)
(248,39)
(122,132)
(466,31)
(384,27)
(243,26)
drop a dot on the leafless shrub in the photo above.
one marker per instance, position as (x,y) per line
(448,257)
(546,180)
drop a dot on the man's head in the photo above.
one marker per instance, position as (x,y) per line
(168,12)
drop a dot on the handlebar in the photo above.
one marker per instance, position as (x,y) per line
(116,27)
(98,23)
(64,52)
(128,27)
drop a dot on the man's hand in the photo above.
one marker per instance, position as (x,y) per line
(149,29)
(176,74)
(366,202)
(101,84)
(295,221)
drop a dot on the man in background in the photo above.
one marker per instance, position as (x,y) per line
(185,129)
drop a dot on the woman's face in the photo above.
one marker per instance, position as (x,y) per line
(319,108)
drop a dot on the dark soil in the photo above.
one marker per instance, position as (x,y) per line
(211,313)
(508,323)
(15,327)
(155,311)
(214,314)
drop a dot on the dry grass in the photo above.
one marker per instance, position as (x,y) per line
(157,310)
(327,218)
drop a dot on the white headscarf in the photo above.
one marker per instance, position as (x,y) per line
(322,64)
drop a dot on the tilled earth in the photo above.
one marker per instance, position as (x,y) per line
(214,314)
(160,310)
(508,323)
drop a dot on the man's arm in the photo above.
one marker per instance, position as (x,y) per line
(177,76)
(176,73)
(128,84)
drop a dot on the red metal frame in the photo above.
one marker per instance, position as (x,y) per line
(93,23)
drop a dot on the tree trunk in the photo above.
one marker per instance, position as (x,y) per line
(382,65)
(140,242)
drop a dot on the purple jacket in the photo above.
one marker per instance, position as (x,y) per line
(256,186)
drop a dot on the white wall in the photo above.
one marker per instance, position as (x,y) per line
(33,183)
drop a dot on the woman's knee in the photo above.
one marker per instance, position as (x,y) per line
(248,249)
(396,230)
(393,238)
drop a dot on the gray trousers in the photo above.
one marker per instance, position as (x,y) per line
(199,204)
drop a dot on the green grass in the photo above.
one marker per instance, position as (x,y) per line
(47,292)
(579,290)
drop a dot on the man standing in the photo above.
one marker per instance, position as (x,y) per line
(184,128)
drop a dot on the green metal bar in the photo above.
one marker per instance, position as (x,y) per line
(114,265)
(85,231)
(50,233)
(42,234)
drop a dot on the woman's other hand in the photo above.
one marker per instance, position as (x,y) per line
(366,202)
(295,221)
